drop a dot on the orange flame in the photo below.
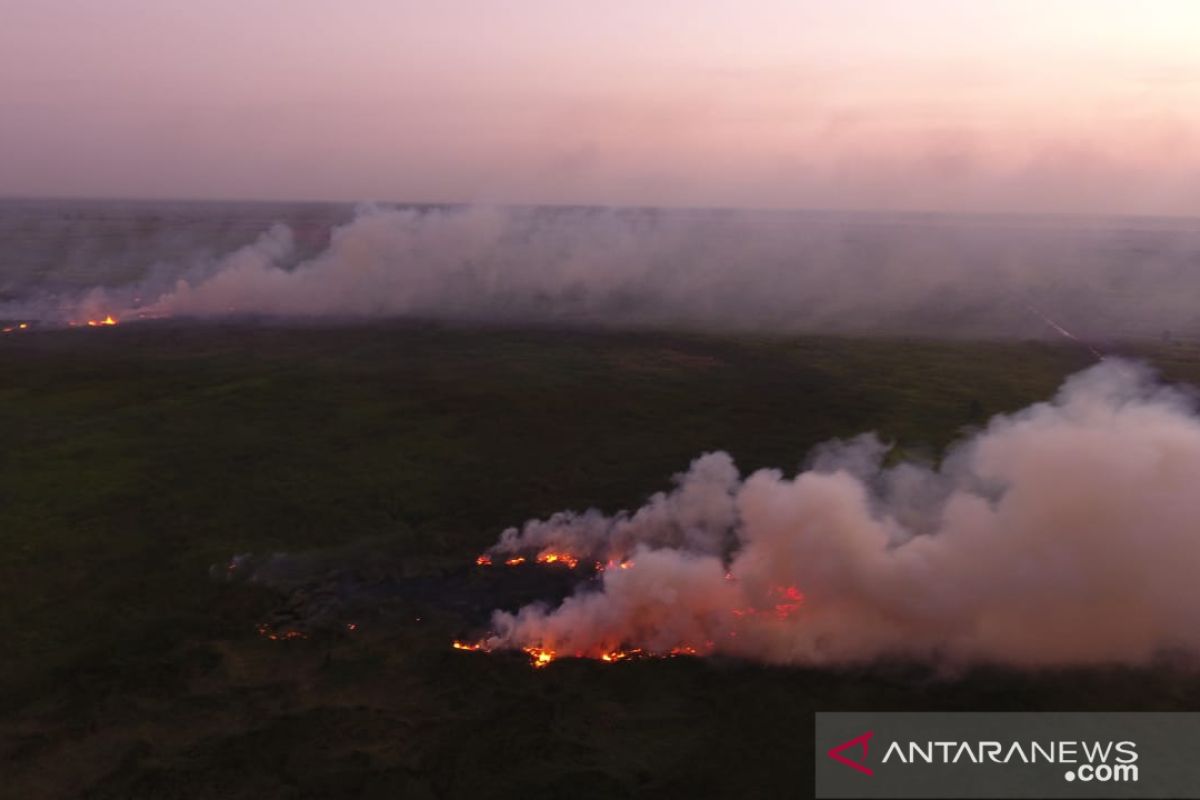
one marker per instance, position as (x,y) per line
(512,562)
(551,557)
(96,323)
(539,656)
(613,656)
(484,560)
(542,656)
(612,563)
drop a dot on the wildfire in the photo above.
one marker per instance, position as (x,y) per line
(542,656)
(267,632)
(539,656)
(639,653)
(612,564)
(781,604)
(108,321)
(792,599)
(546,557)
(550,557)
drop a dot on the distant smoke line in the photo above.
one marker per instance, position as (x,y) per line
(939,276)
(1067,533)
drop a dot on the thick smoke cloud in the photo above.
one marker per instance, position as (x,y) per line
(1062,534)
(952,276)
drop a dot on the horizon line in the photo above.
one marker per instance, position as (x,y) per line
(452,204)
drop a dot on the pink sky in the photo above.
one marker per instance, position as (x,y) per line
(1059,105)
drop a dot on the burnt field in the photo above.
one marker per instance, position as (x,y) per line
(139,460)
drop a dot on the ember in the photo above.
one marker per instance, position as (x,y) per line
(267,632)
(601,566)
(794,599)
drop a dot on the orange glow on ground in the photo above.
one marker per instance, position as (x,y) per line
(267,632)
(550,557)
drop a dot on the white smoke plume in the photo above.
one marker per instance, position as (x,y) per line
(772,271)
(1067,533)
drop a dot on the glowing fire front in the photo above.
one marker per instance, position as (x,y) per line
(553,557)
(566,559)
(779,605)
(542,656)
(276,634)
(107,321)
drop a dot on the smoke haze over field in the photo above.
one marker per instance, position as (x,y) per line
(776,271)
(1062,534)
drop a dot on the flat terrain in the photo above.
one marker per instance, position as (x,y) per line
(132,459)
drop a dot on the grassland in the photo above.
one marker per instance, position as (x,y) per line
(134,458)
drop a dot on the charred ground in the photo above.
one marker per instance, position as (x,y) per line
(386,457)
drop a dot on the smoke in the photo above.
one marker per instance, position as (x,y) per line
(777,271)
(1062,534)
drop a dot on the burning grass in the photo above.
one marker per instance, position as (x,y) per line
(787,601)
(107,321)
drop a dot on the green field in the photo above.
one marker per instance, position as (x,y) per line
(136,457)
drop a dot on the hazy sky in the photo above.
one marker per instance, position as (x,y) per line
(1060,105)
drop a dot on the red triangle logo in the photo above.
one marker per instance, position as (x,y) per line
(858,741)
